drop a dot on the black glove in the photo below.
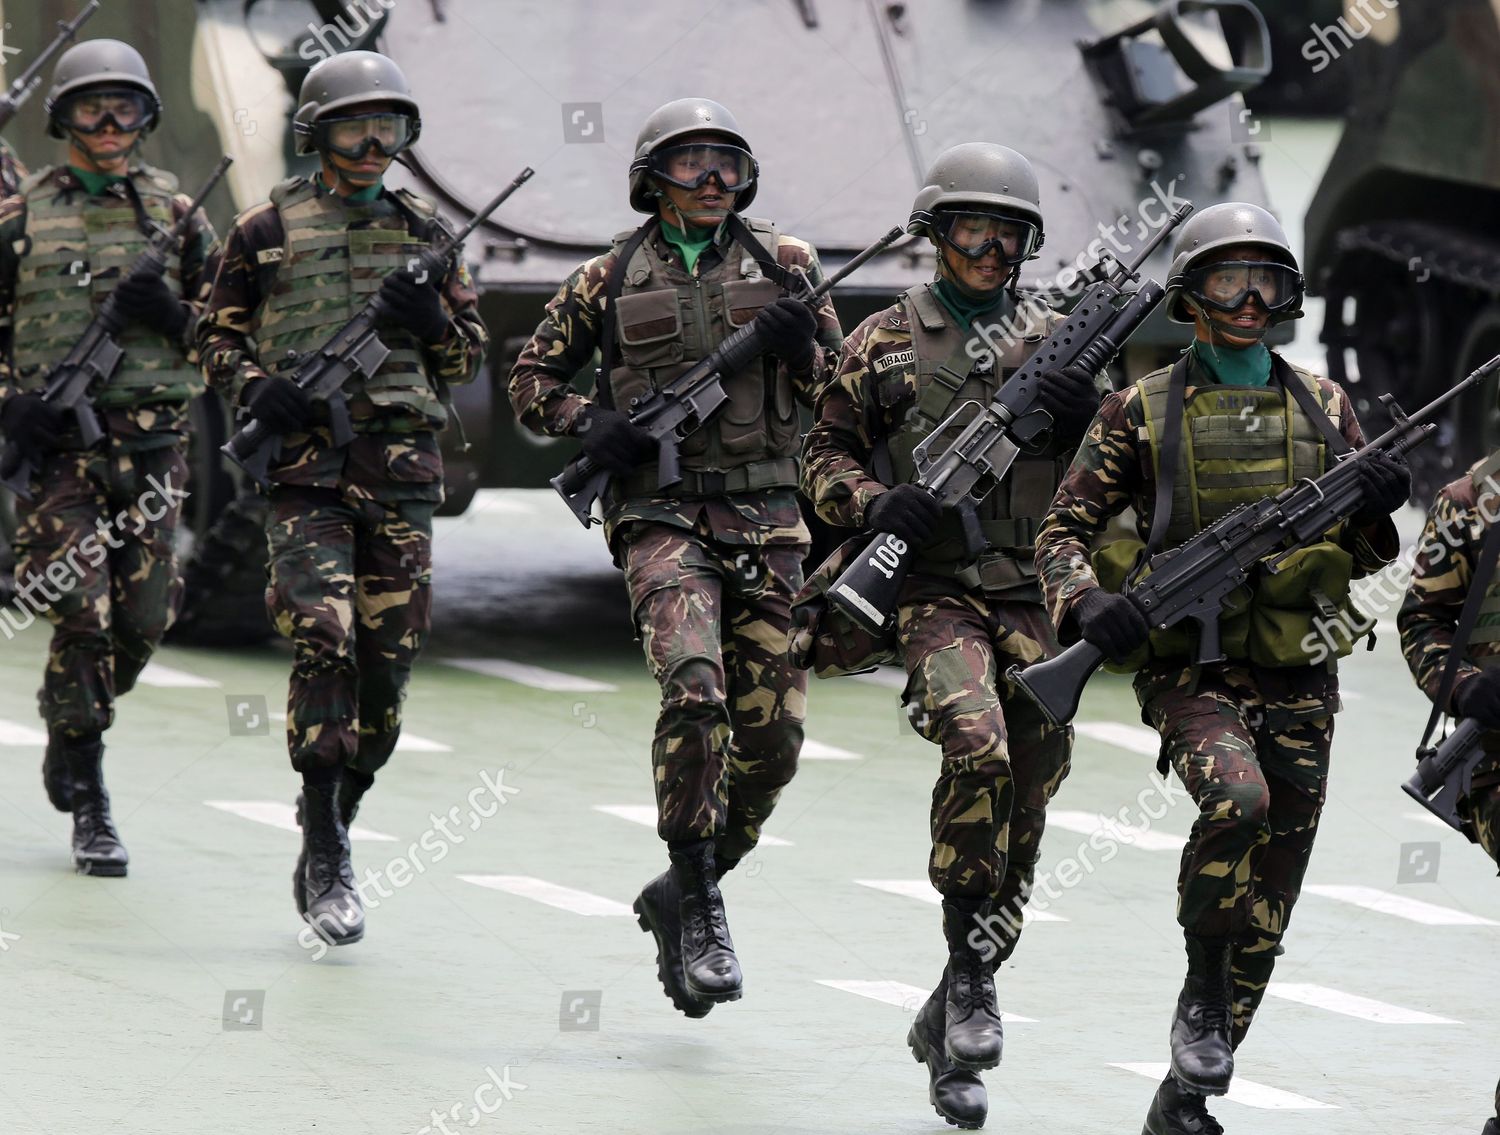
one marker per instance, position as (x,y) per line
(787,328)
(612,441)
(1072,399)
(31,423)
(907,512)
(1385,481)
(1479,698)
(146,298)
(279,404)
(416,307)
(1111,622)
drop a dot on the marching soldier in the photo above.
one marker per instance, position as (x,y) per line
(1230,422)
(962,619)
(350,529)
(1449,552)
(712,563)
(95,543)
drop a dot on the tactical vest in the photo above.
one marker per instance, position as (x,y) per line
(78,246)
(1240,444)
(1011,513)
(666,320)
(337,254)
(1482,642)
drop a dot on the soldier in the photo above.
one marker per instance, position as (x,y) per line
(711,565)
(1230,422)
(1460,518)
(96,539)
(350,529)
(962,618)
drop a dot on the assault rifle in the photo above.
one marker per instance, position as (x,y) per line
(354,350)
(689,400)
(1193,580)
(970,466)
(28,80)
(1444,773)
(97,354)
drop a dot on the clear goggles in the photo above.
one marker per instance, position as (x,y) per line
(1226,285)
(357,135)
(690,166)
(89,112)
(975,235)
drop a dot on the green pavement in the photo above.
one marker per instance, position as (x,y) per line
(179,999)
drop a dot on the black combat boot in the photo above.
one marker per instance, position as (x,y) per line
(1177,1111)
(352,785)
(973,1033)
(1202,1059)
(97,849)
(956,1094)
(327,898)
(55,776)
(656,909)
(710,970)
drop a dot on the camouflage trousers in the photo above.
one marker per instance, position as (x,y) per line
(1001,761)
(350,583)
(94,550)
(1251,746)
(712,619)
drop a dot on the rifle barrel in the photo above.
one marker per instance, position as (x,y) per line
(875,249)
(495,202)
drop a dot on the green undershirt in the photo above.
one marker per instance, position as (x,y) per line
(964,308)
(690,244)
(94,183)
(1249,366)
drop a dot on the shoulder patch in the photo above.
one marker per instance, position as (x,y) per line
(270,255)
(907,357)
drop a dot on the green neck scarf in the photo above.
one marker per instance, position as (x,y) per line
(94,183)
(1249,366)
(690,244)
(365,196)
(964,308)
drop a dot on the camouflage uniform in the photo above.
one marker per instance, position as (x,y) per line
(12,171)
(960,624)
(109,514)
(350,529)
(1249,741)
(1448,550)
(710,568)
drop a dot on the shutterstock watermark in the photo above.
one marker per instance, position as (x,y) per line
(1360,19)
(492,1093)
(484,800)
(347,28)
(997,930)
(63,574)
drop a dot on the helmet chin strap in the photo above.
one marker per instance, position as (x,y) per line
(1218,336)
(124,155)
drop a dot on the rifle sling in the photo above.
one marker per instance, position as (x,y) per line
(1479,582)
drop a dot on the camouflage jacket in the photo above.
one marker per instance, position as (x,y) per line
(394,456)
(12,171)
(144,426)
(1113,470)
(545,401)
(1444,564)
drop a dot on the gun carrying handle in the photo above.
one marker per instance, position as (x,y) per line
(1056,686)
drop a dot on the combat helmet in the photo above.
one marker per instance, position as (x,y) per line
(677,119)
(348,79)
(1228,225)
(99,63)
(982,176)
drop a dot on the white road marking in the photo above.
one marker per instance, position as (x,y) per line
(166,678)
(1413,910)
(536,677)
(887,677)
(1133,738)
(922,890)
(1353,1005)
(406,743)
(551,894)
(275,814)
(903,996)
(1243,1091)
(645,815)
(1087,823)
(14,733)
(817,751)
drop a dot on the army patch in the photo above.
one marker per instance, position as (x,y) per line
(907,357)
(270,256)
